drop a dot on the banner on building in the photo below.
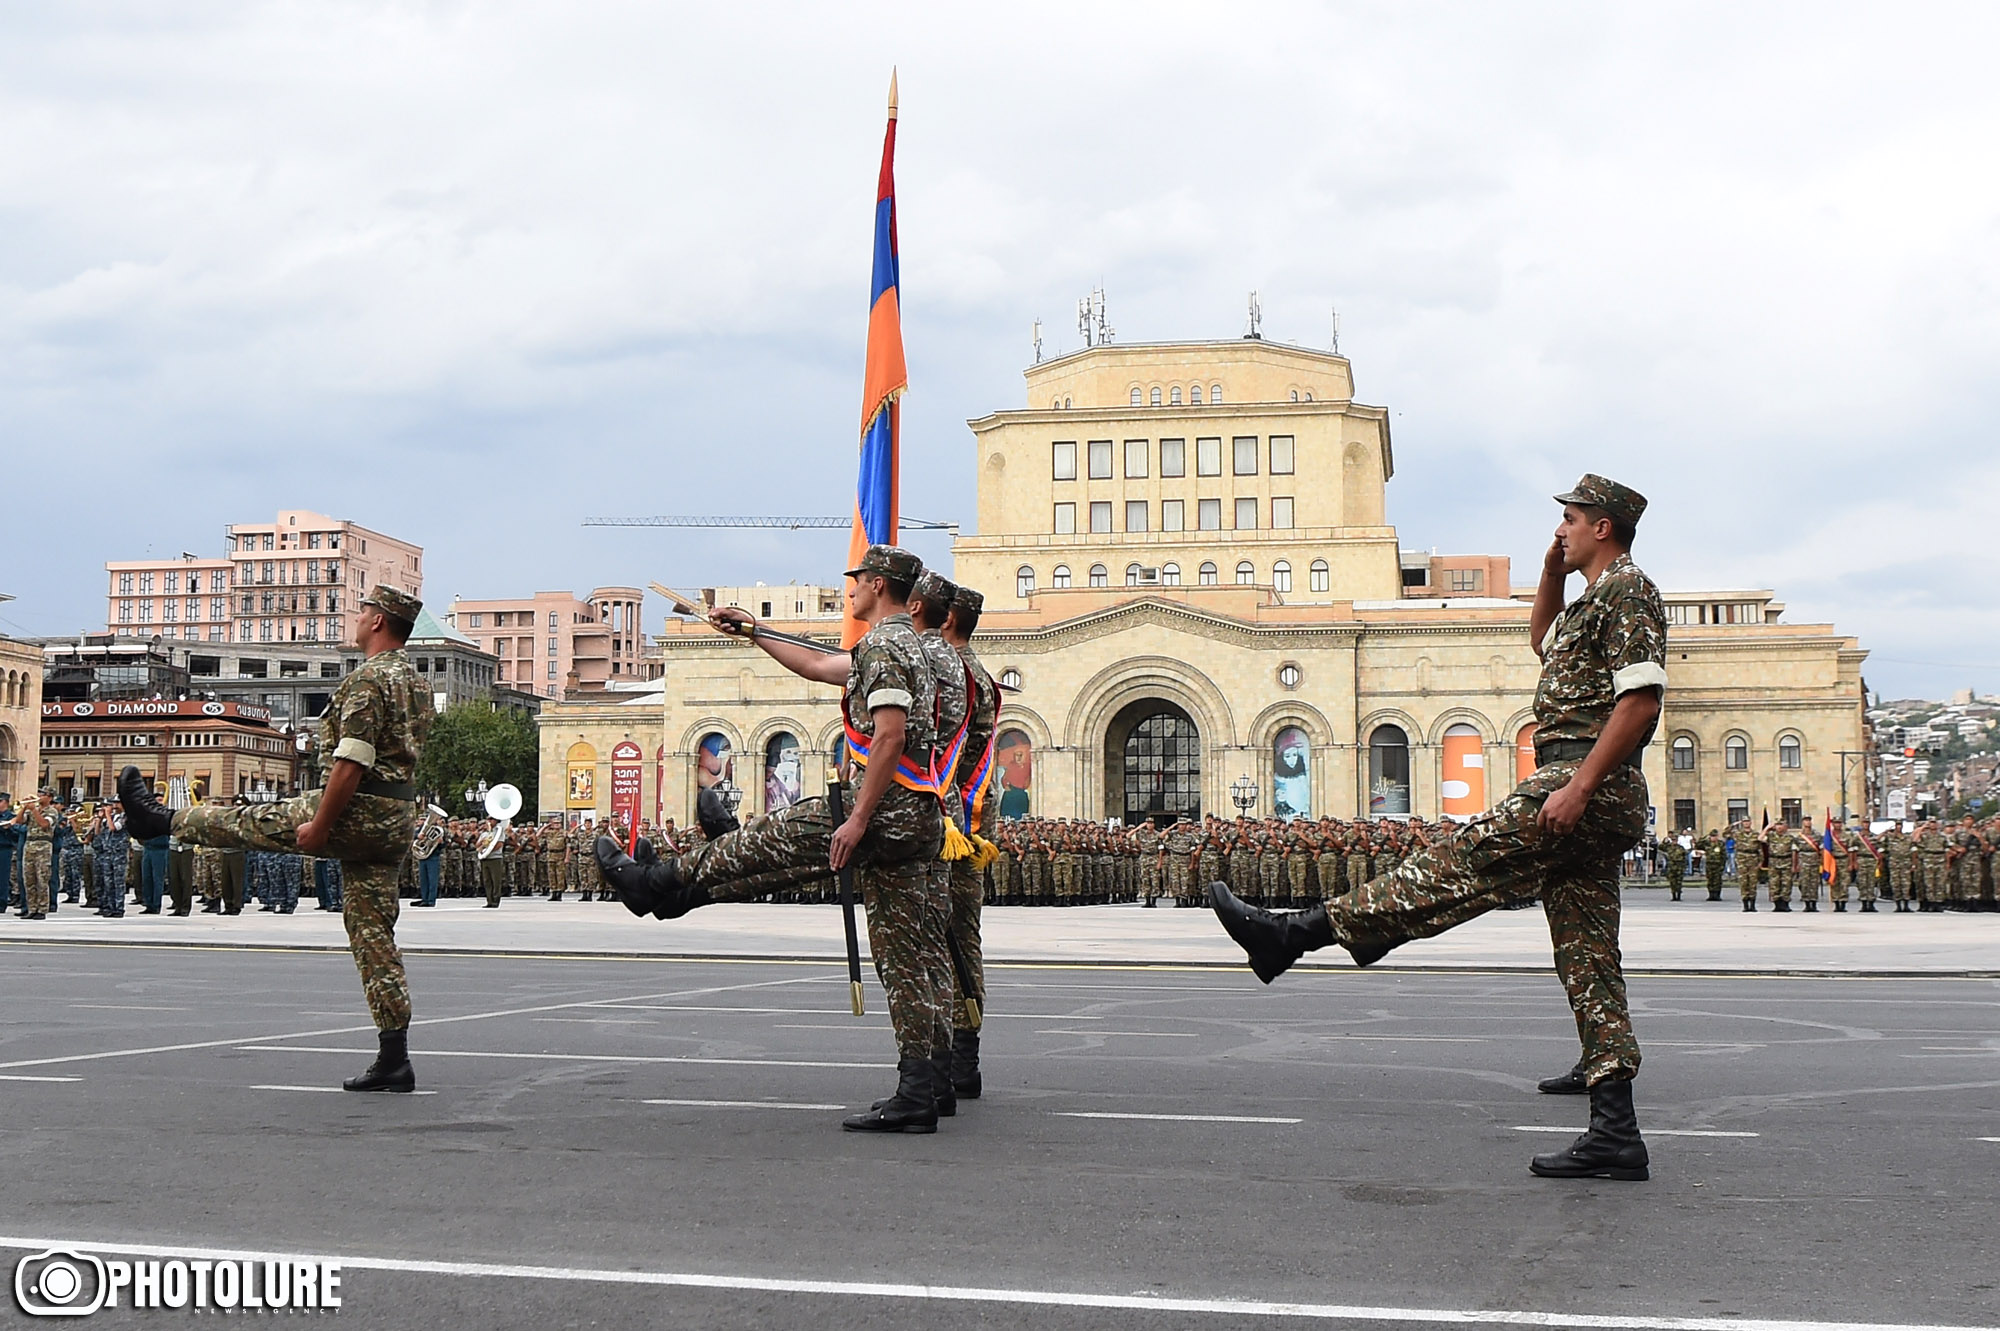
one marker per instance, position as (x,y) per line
(625,782)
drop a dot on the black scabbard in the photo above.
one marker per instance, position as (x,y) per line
(974,1018)
(836,807)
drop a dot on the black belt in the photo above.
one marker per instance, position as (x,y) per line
(388,790)
(1575,750)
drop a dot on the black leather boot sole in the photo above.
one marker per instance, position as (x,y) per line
(1272,941)
(145,816)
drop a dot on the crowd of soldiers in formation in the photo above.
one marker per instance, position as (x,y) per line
(1929,868)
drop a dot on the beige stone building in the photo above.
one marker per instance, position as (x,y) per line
(20,716)
(1192,587)
(591,744)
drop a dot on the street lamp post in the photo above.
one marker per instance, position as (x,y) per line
(1243,793)
(475,796)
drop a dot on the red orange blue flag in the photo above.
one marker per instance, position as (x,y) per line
(883,380)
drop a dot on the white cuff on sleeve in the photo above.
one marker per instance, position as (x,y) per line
(1644,675)
(356,751)
(889,698)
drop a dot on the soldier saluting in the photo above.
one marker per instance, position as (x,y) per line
(892,831)
(375,729)
(1560,835)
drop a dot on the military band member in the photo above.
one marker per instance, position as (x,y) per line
(891,832)
(375,729)
(1559,836)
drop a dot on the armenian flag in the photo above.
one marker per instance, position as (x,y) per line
(883,379)
(1829,862)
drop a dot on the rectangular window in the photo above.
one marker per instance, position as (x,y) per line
(552,670)
(172,586)
(1281,513)
(124,612)
(1100,459)
(1791,811)
(552,646)
(145,583)
(145,612)
(1135,459)
(170,610)
(1209,513)
(477,618)
(1244,450)
(124,584)
(1135,515)
(1100,516)
(1246,515)
(1173,457)
(552,620)
(1172,515)
(1466,581)
(1739,811)
(1281,455)
(1683,815)
(1208,457)
(267,540)
(1065,519)
(1065,462)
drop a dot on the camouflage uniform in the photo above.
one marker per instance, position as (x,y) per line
(549,845)
(1784,872)
(38,856)
(967,890)
(1610,640)
(379,717)
(1712,864)
(1677,858)
(892,864)
(1932,848)
(953,709)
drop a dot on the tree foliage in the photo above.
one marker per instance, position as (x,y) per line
(472,742)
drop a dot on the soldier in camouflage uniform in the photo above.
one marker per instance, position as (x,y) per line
(1782,847)
(1712,863)
(1751,852)
(892,831)
(1933,852)
(930,606)
(1677,859)
(374,729)
(973,786)
(1559,836)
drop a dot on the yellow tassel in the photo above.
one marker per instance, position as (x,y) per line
(956,847)
(984,852)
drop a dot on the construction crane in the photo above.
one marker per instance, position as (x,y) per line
(774,524)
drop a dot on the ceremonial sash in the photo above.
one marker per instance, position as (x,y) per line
(907,773)
(981,783)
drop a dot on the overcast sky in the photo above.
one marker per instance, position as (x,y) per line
(470,273)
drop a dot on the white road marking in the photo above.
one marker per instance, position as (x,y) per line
(855,1025)
(737,1104)
(350,1030)
(1959,1049)
(1986,1139)
(1648,1132)
(28,1078)
(561,1058)
(1155,1035)
(1415,1039)
(599,1021)
(1042,1298)
(128,1007)
(805,1011)
(1176,1118)
(331,1090)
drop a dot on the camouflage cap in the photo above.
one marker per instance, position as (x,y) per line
(967,599)
(1619,501)
(935,589)
(394,601)
(890,561)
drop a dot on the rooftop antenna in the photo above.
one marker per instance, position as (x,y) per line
(1336,330)
(1256,331)
(1083,319)
(1037,335)
(1090,319)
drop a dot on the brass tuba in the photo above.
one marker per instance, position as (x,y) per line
(430,833)
(502,803)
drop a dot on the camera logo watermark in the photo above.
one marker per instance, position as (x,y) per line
(61,1282)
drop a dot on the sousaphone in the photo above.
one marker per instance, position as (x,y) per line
(502,803)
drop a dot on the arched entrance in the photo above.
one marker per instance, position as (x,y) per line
(1152,763)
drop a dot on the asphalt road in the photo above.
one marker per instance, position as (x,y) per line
(582,1125)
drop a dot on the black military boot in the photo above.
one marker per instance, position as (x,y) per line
(1677,894)
(1715,894)
(1812,908)
(145,816)
(391,1070)
(913,1108)
(942,1091)
(711,810)
(965,1064)
(1868,908)
(647,887)
(1275,940)
(1749,906)
(1572,1082)
(1782,907)
(1840,908)
(1612,1148)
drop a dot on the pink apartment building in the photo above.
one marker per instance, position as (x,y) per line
(297,579)
(553,643)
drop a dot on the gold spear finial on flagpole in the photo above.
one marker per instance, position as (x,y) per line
(892,92)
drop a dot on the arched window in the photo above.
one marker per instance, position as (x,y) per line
(1214,394)
(1156,395)
(1281,576)
(1388,771)
(1683,754)
(1246,573)
(1066,402)
(1135,395)
(1024,580)
(1736,754)
(1291,774)
(1174,395)
(1194,395)
(1170,575)
(1295,395)
(1131,575)
(1322,576)
(1100,576)
(1010,678)
(1055,404)
(1059,579)
(1207,575)
(1790,753)
(1309,396)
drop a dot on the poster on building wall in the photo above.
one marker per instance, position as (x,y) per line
(1014,755)
(714,759)
(1464,787)
(1291,774)
(581,773)
(626,782)
(784,781)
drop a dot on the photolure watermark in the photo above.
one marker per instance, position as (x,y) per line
(64,1282)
